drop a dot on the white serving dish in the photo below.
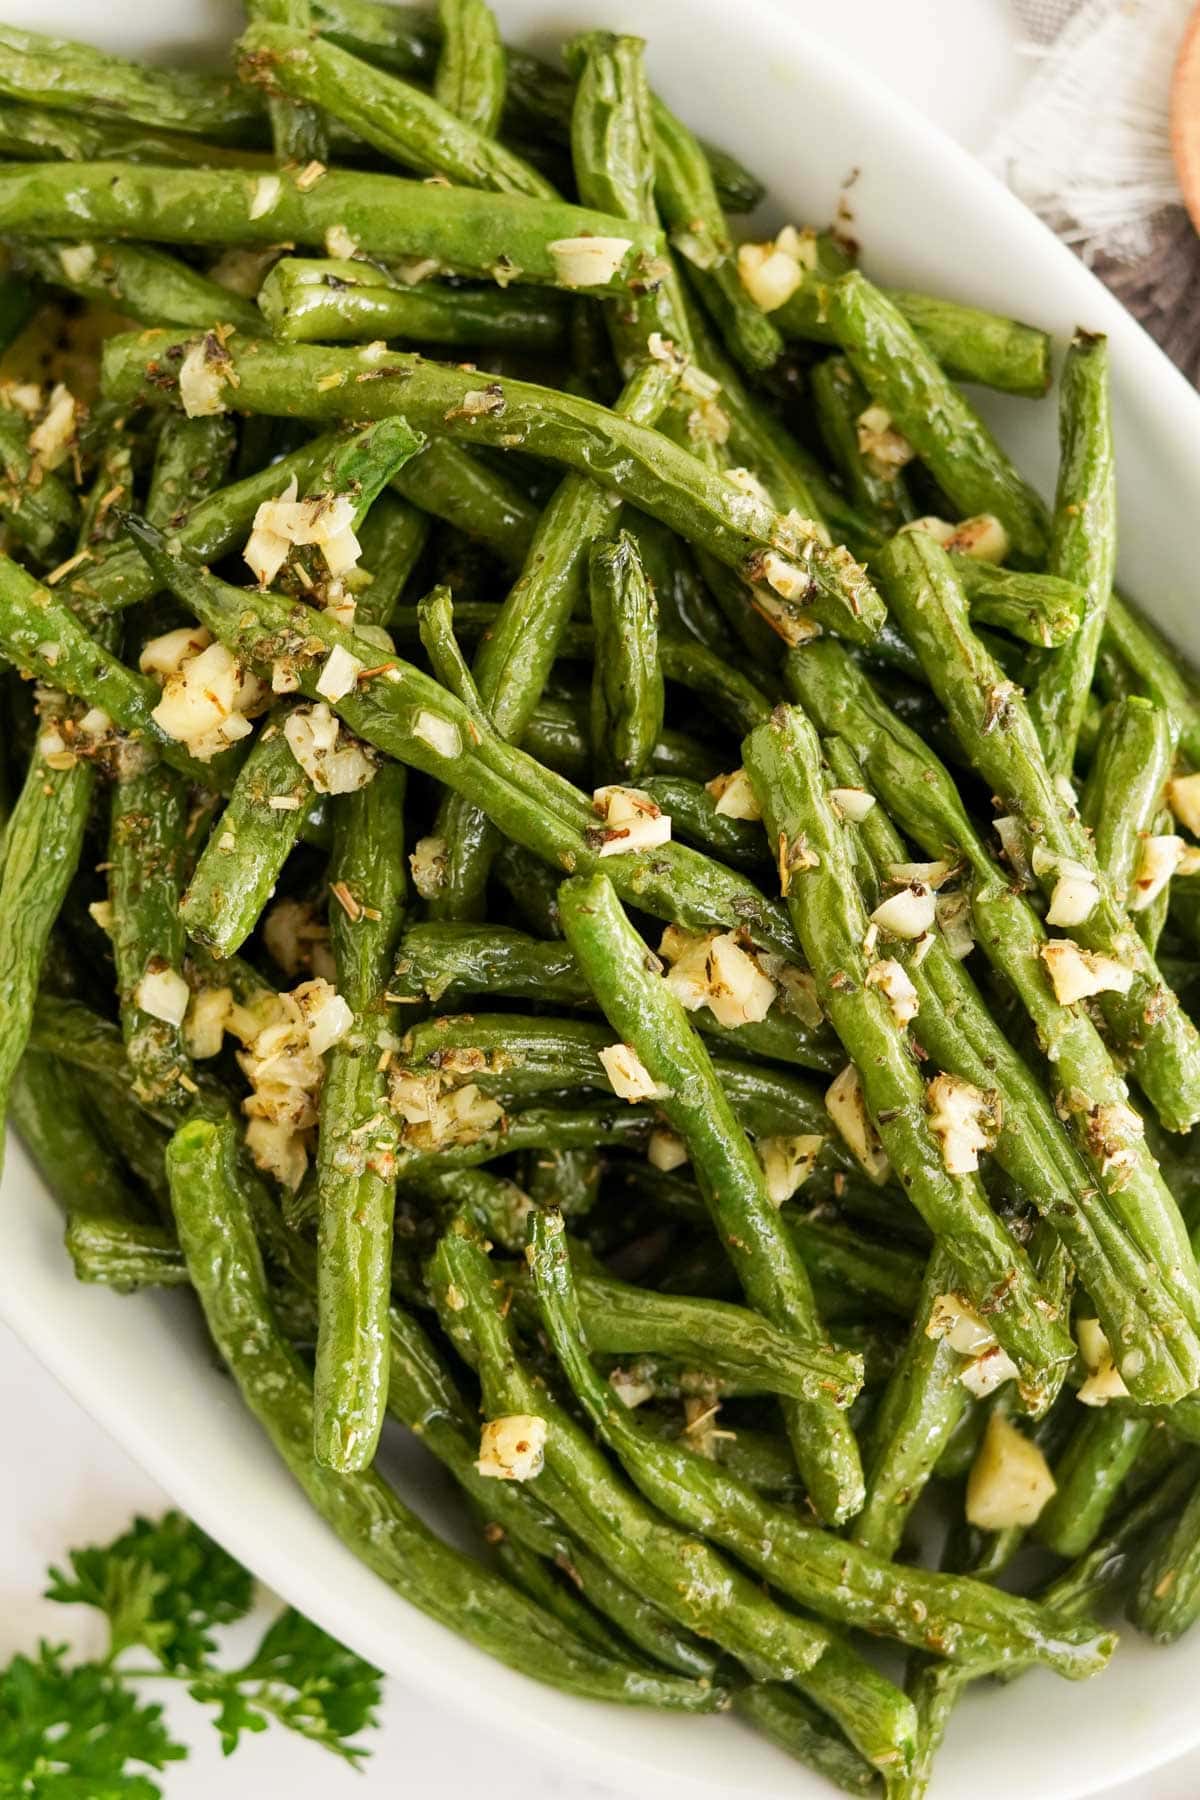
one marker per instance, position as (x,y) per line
(928,216)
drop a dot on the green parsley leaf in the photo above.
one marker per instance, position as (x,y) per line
(304,1679)
(165,1586)
(70,1734)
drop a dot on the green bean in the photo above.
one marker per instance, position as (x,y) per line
(138,1140)
(996,729)
(1039,609)
(1110,1562)
(115,576)
(568,1179)
(1083,546)
(466,232)
(1123,794)
(520,1057)
(1166,1600)
(239,866)
(331,301)
(241,861)
(393,537)
(470,76)
(731,696)
(36,504)
(56,73)
(43,838)
(844,1261)
(956,1030)
(1099,1455)
(548,1587)
(539,95)
(18,303)
(699,230)
(692,1583)
(651,1021)
(515,657)
(759,440)
(840,399)
(796,1727)
(403,122)
(477,500)
(955,1618)
(43,133)
(1128,1211)
(971,345)
(957,447)
(71,1032)
(495,1206)
(446,963)
(614,162)
(39,634)
(695,819)
(226,1270)
(627,679)
(1157,668)
(686,608)
(190,463)
(49,1111)
(728,1342)
(146,872)
(356,1145)
(115,1253)
(619,453)
(423,1395)
(394,710)
(142,282)
(921,1406)
(297,130)
(533,1128)
(783,759)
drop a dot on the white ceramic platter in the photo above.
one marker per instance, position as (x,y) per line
(928,216)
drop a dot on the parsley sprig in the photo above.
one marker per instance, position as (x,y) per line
(86,1733)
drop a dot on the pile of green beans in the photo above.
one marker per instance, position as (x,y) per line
(503,832)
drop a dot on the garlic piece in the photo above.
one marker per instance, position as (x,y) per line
(163,993)
(1104,1382)
(1077,974)
(847,1107)
(954,922)
(1074,900)
(885,450)
(734,796)
(513,1448)
(908,914)
(428,863)
(666,1150)
(769,275)
(1183,798)
(632,820)
(628,1075)
(204,1025)
(1010,1480)
(893,979)
(854,803)
(334,762)
(713,970)
(588,262)
(339,675)
(787,1163)
(964,1119)
(1161,855)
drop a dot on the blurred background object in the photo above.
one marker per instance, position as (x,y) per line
(1089,148)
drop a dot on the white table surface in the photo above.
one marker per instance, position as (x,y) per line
(65,1482)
